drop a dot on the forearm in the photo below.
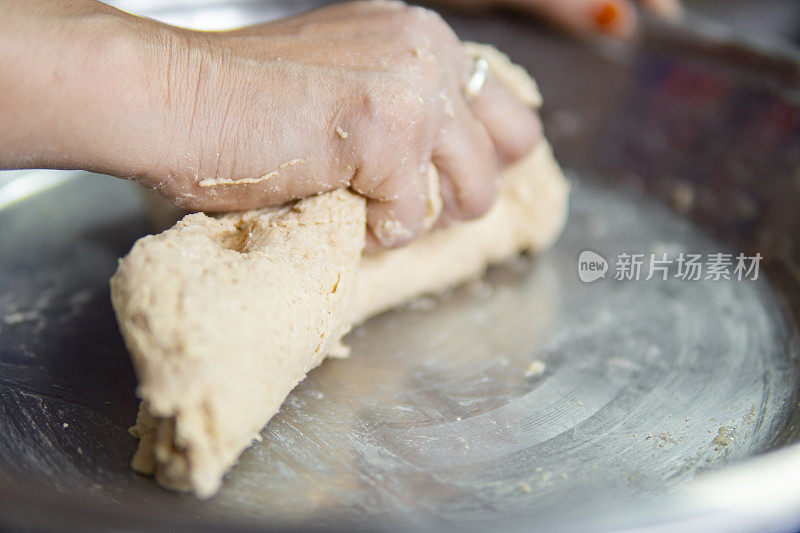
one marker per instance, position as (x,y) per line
(79,83)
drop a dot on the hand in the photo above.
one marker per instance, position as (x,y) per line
(363,95)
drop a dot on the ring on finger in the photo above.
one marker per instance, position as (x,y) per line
(478,78)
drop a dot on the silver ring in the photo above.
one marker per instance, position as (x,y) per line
(478,78)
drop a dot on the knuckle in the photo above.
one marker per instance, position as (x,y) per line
(387,149)
(425,22)
(426,16)
(393,109)
(434,25)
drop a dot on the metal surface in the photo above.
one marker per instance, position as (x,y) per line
(646,385)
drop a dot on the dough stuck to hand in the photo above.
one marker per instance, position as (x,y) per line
(224,316)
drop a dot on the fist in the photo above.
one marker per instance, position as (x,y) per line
(365,95)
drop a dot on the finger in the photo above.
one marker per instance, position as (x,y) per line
(467,164)
(582,17)
(514,127)
(397,202)
(669,9)
(371,244)
(449,213)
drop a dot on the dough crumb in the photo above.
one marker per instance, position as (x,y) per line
(216,182)
(535,368)
(19,318)
(449,110)
(341,133)
(392,230)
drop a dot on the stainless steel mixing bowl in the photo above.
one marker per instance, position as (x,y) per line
(527,400)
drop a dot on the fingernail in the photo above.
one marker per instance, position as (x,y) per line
(605,14)
(612,18)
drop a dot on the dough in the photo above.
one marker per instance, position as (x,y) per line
(224,316)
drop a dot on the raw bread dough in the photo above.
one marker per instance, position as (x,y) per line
(224,316)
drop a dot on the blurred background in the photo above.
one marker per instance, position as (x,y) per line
(770,20)
(766,20)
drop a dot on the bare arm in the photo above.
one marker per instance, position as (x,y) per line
(75,78)
(364,95)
